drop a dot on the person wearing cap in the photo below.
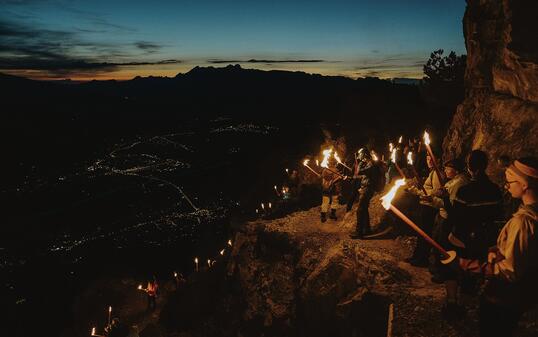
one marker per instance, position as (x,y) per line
(443,199)
(511,268)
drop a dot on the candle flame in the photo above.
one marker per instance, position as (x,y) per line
(393,156)
(387,198)
(230,243)
(222,252)
(410,158)
(326,155)
(400,140)
(426,138)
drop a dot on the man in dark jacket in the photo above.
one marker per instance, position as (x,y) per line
(368,173)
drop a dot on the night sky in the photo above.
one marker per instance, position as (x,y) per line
(103,39)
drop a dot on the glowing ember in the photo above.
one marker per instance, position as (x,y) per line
(426,138)
(326,156)
(410,158)
(387,198)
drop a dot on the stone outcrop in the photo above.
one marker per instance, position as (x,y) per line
(500,110)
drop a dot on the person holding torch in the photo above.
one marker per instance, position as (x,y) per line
(511,267)
(329,188)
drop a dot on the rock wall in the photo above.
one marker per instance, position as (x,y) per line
(500,112)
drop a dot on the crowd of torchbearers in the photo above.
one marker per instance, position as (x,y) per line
(475,237)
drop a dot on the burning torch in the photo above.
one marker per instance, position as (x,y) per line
(386,201)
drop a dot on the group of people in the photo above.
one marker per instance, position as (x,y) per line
(464,211)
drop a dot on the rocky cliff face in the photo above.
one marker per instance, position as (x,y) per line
(500,111)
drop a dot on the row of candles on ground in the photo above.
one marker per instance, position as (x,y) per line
(210,263)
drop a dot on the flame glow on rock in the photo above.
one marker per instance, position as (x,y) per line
(410,158)
(326,156)
(387,198)
(426,138)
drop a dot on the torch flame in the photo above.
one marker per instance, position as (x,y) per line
(139,287)
(326,155)
(269,205)
(393,156)
(110,309)
(263,206)
(426,138)
(175,274)
(230,243)
(275,188)
(305,162)
(374,155)
(410,158)
(387,198)
(222,252)
(317,162)
(400,140)
(196,260)
(209,263)
(337,157)
(391,147)
(93,332)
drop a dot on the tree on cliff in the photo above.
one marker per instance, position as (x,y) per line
(442,86)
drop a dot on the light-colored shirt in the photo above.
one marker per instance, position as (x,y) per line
(518,243)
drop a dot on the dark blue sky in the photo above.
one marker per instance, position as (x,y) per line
(122,39)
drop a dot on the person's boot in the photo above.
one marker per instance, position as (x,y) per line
(332,215)
(323,216)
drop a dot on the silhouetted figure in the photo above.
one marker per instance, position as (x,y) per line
(330,192)
(368,173)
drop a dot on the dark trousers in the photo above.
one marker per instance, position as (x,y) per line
(497,320)
(363,216)
(355,185)
(152,302)
(427,219)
